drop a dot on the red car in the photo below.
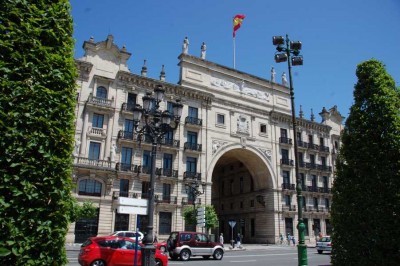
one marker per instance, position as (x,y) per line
(114,251)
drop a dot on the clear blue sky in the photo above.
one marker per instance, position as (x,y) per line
(336,36)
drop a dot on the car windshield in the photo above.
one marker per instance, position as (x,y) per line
(325,239)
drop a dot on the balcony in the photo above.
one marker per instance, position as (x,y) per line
(311,166)
(324,149)
(167,172)
(165,199)
(128,107)
(170,143)
(192,146)
(286,161)
(313,146)
(288,186)
(194,121)
(134,195)
(192,175)
(97,132)
(286,208)
(324,168)
(123,167)
(126,135)
(284,140)
(302,144)
(187,201)
(101,103)
(324,190)
(93,163)
(312,189)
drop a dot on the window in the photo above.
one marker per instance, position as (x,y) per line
(170,107)
(128,126)
(145,189)
(167,162)
(192,137)
(126,158)
(286,177)
(323,161)
(193,112)
(98,120)
(327,206)
(316,203)
(263,128)
(302,181)
(298,136)
(321,141)
(101,92)
(314,181)
(231,205)
(251,184)
(283,133)
(146,160)
(305,221)
(123,189)
(300,157)
(310,139)
(289,226)
(304,202)
(220,119)
(89,187)
(287,200)
(191,164)
(241,184)
(251,203)
(166,192)
(165,223)
(285,155)
(121,222)
(325,183)
(312,159)
(231,187)
(169,137)
(241,204)
(131,102)
(94,150)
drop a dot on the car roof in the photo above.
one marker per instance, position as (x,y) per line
(99,238)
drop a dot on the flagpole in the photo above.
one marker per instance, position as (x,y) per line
(234,53)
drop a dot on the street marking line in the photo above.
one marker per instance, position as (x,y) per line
(261,255)
(241,261)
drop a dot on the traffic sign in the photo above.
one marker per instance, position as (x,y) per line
(201,216)
(232,223)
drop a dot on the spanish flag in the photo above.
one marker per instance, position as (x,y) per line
(237,22)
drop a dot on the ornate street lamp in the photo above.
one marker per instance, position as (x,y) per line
(193,189)
(155,124)
(284,54)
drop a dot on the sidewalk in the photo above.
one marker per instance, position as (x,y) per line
(228,248)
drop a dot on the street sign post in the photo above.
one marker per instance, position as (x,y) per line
(232,224)
(201,216)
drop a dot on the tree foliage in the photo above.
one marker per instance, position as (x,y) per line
(366,191)
(37,94)
(211,216)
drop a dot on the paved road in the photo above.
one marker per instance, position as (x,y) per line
(268,255)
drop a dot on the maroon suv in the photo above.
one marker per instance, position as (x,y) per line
(187,244)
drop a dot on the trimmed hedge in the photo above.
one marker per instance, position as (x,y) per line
(366,191)
(37,100)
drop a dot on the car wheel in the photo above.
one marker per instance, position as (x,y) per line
(218,254)
(206,257)
(159,262)
(185,255)
(98,263)
(319,251)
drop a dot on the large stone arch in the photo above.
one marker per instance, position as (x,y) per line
(259,161)
(244,190)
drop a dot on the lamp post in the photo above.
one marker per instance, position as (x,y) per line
(284,54)
(155,124)
(192,188)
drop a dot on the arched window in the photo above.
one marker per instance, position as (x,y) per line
(89,187)
(101,92)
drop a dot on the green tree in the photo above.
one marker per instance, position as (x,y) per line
(366,191)
(37,100)
(211,216)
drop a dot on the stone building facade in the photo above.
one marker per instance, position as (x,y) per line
(235,136)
